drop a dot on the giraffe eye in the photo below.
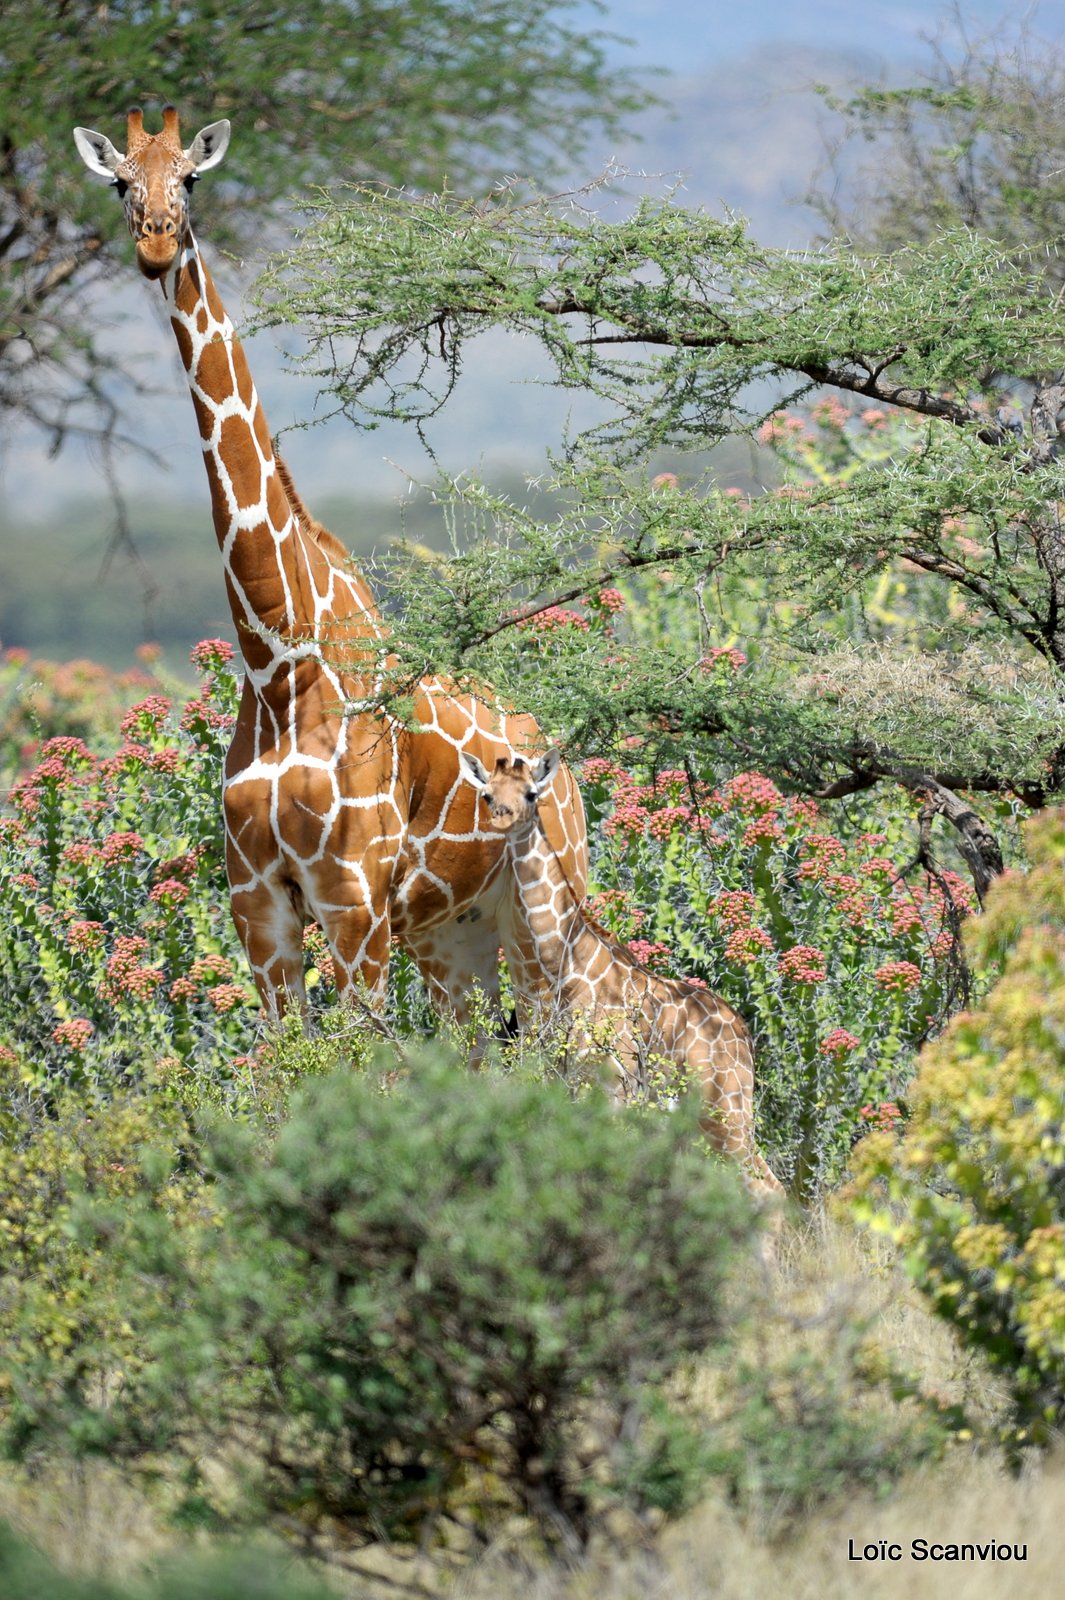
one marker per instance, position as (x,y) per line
(530,796)
(121,185)
(190,180)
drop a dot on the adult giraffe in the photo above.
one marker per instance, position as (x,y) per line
(333,812)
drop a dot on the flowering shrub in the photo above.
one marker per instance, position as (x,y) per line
(840,966)
(40,700)
(973,1190)
(116,946)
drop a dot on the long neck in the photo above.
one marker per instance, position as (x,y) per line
(287,598)
(548,907)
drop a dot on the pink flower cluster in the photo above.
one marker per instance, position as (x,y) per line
(746,944)
(762,830)
(555,618)
(74,1034)
(120,847)
(838,1043)
(598,769)
(660,824)
(210,654)
(647,952)
(898,976)
(82,935)
(779,426)
(169,894)
(830,413)
(821,851)
(751,792)
(206,968)
(735,907)
(147,716)
(200,714)
(124,972)
(226,997)
(803,963)
(720,656)
(884,1117)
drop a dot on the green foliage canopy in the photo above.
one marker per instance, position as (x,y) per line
(686,330)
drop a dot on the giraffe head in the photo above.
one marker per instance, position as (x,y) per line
(154,179)
(512,792)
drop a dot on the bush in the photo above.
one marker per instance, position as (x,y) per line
(840,965)
(459,1297)
(974,1191)
(117,948)
(812,1428)
(71,1188)
(42,700)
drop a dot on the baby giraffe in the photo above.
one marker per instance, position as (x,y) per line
(594,982)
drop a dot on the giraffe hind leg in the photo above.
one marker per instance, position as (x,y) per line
(271,930)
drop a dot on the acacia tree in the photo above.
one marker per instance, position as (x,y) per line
(686,330)
(407,93)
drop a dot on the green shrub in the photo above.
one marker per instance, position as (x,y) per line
(811,1428)
(71,1189)
(974,1192)
(27,1575)
(452,1294)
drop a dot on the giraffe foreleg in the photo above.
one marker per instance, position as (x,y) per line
(270,928)
(359,938)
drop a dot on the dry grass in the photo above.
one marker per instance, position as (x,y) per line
(87,1518)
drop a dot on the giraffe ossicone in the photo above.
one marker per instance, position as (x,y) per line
(333,814)
(597,989)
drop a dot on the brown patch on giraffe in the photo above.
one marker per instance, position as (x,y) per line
(186,347)
(203,321)
(245,386)
(213,372)
(236,446)
(194,279)
(205,423)
(214,477)
(262,433)
(214,304)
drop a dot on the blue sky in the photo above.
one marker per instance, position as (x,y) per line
(689,34)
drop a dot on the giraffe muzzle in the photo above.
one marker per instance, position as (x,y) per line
(156,252)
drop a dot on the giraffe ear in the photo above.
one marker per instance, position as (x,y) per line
(98,153)
(473,770)
(546,767)
(209,146)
